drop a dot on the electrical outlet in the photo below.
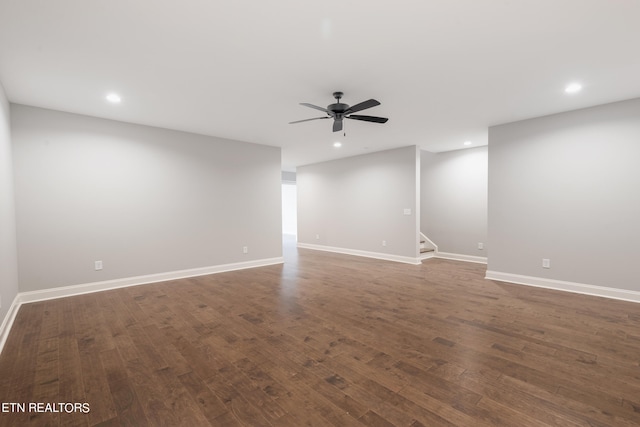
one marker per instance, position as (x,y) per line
(317,237)
(245,250)
(98,265)
(407,211)
(384,243)
(480,245)
(546,263)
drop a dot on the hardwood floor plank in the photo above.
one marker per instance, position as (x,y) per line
(304,397)
(146,349)
(151,394)
(545,411)
(372,419)
(328,340)
(46,387)
(127,404)
(210,405)
(177,397)
(242,410)
(439,409)
(167,352)
(96,387)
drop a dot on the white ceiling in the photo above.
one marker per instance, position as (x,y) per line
(443,70)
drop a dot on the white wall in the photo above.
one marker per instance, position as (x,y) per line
(357,202)
(567,187)
(8,248)
(143,200)
(454,200)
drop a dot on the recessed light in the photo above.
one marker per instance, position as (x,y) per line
(467,143)
(573,88)
(114,98)
(337,144)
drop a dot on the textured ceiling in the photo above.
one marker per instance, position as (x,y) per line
(443,70)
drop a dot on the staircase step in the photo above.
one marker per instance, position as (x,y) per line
(423,250)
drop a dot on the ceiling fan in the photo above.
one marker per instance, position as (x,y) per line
(340,111)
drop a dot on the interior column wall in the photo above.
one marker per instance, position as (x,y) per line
(359,203)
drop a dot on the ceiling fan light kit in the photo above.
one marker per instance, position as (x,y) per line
(339,111)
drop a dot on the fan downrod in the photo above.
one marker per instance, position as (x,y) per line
(338,95)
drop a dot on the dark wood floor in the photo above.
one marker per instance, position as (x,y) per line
(326,340)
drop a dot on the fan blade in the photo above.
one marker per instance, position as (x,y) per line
(368,118)
(337,125)
(307,120)
(315,106)
(362,106)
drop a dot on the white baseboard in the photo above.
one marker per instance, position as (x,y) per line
(356,252)
(86,288)
(66,291)
(461,257)
(559,285)
(427,255)
(7,323)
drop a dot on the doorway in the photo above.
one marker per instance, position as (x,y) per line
(289,209)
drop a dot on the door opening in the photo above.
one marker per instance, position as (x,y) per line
(289,209)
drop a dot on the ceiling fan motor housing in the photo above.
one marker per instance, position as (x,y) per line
(338,108)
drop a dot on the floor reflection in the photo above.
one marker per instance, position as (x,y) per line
(289,279)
